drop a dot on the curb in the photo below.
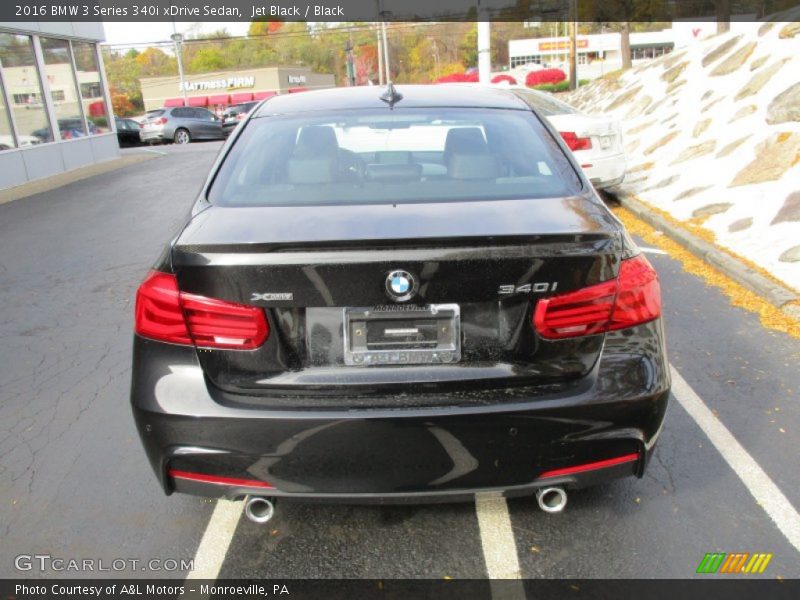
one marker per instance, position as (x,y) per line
(779,296)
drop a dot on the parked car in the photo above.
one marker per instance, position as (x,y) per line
(180,125)
(7,142)
(69,128)
(127,132)
(234,114)
(390,295)
(596,142)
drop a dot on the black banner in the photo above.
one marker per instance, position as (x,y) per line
(398,589)
(21,11)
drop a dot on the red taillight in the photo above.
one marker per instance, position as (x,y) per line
(639,295)
(633,298)
(240,116)
(158,310)
(163,121)
(164,313)
(574,142)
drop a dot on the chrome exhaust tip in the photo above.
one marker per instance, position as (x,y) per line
(259,509)
(551,499)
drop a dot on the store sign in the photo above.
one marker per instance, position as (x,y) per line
(297,79)
(232,83)
(562,45)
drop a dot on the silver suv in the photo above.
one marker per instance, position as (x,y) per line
(180,125)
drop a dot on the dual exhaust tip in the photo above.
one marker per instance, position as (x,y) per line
(261,510)
(551,499)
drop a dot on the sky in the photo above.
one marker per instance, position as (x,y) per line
(137,33)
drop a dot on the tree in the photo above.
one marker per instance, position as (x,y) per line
(154,62)
(121,104)
(723,9)
(625,45)
(208,59)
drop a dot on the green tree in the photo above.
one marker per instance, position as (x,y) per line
(208,59)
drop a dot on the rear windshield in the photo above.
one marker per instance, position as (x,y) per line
(546,104)
(154,113)
(402,155)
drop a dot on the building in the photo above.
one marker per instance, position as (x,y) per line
(217,90)
(54,108)
(600,53)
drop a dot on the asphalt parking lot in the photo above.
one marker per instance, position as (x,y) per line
(75,482)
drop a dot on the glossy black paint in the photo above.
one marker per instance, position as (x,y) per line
(291,413)
(469,441)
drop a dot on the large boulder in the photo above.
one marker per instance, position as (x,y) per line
(758,80)
(745,111)
(711,209)
(674,72)
(774,156)
(720,50)
(790,211)
(731,147)
(790,255)
(785,106)
(695,151)
(735,60)
(789,30)
(623,98)
(662,142)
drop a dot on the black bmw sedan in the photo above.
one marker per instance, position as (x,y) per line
(398,295)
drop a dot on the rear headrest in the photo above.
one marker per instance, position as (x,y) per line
(472,166)
(465,140)
(316,140)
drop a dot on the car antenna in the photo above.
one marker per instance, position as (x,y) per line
(391,96)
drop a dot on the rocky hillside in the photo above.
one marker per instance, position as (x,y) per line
(713,137)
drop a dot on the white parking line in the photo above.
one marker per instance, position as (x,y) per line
(499,547)
(758,483)
(216,540)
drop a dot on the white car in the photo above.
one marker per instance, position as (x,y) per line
(596,142)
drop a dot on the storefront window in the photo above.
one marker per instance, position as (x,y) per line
(6,136)
(63,93)
(24,89)
(94,102)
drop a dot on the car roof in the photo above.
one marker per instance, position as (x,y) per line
(368,97)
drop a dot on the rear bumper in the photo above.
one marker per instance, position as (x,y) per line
(606,171)
(402,455)
(147,136)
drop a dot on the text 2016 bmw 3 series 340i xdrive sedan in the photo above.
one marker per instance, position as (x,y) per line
(409,294)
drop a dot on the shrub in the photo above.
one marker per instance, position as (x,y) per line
(543,76)
(502,78)
(459,78)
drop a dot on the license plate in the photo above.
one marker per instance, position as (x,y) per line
(402,335)
(605,141)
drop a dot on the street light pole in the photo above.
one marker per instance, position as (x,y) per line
(178,38)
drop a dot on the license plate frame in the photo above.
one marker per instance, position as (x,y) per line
(402,335)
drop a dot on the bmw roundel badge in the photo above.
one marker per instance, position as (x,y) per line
(401,285)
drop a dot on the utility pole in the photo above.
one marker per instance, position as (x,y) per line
(484,44)
(380,55)
(178,38)
(573,43)
(351,72)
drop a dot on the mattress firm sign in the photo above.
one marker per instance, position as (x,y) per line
(232,83)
